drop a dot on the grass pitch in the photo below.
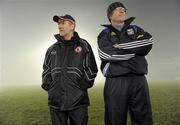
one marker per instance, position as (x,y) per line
(28,105)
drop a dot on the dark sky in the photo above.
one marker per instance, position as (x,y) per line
(27,29)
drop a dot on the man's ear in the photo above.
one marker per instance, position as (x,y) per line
(110,17)
(73,26)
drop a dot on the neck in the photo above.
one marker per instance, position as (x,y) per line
(68,37)
(116,23)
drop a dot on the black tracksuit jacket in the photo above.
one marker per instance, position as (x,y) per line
(129,58)
(69,69)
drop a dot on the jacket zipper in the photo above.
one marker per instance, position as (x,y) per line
(64,71)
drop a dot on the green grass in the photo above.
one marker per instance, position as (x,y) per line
(28,106)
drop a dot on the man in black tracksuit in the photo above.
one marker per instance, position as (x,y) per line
(69,70)
(122,49)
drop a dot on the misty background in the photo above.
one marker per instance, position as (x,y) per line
(27,29)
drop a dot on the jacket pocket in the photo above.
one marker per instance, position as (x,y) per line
(74,76)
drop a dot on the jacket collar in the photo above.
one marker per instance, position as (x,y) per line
(127,22)
(75,39)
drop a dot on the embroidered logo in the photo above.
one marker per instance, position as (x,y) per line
(78,49)
(130,31)
(113,34)
(53,52)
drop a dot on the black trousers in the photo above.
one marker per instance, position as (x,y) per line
(77,116)
(127,93)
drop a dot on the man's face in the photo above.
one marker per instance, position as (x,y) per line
(118,15)
(65,27)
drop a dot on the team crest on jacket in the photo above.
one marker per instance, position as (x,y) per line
(113,34)
(130,31)
(78,49)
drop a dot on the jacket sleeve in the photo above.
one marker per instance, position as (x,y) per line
(90,69)
(110,54)
(46,74)
(141,45)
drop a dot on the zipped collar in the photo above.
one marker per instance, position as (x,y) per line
(127,22)
(75,39)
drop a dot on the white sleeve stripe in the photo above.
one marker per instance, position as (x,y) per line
(135,42)
(91,71)
(100,53)
(104,53)
(125,58)
(48,68)
(145,42)
(114,58)
(76,69)
(88,76)
(46,60)
(105,68)
(46,75)
(74,73)
(102,56)
(125,55)
(56,68)
(45,72)
(47,64)
(137,46)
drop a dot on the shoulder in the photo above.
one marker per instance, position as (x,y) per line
(85,43)
(51,47)
(138,28)
(140,32)
(104,32)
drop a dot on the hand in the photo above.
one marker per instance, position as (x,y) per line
(116,46)
(140,36)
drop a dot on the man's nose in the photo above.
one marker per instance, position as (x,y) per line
(59,26)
